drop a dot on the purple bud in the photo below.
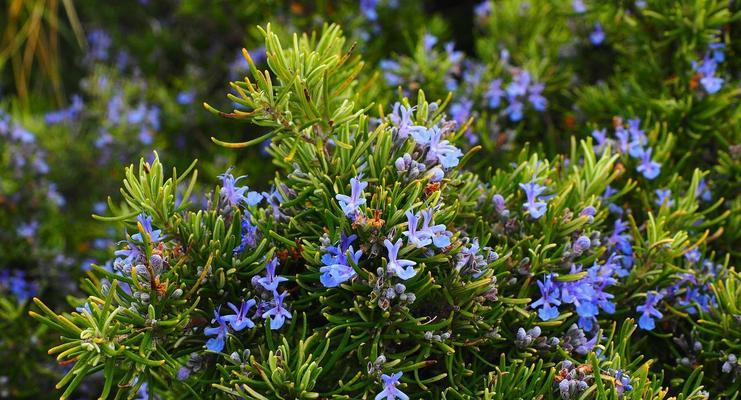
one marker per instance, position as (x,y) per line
(400,164)
(581,244)
(437,174)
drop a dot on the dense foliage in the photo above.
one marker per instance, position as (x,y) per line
(546,208)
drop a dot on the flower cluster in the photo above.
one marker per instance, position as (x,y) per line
(629,140)
(587,295)
(706,69)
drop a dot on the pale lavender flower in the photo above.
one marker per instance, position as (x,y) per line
(239,320)
(278,313)
(401,268)
(351,204)
(390,391)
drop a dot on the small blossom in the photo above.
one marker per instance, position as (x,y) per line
(730,364)
(598,35)
(499,205)
(703,191)
(514,109)
(590,212)
(549,298)
(649,168)
(581,244)
(494,93)
(663,198)
(234,195)
(519,84)
(239,320)
(401,117)
(622,383)
(146,223)
(220,331)
(437,149)
(249,234)
(600,137)
(417,238)
(337,268)
(390,391)
(351,204)
(536,96)
(278,313)
(693,256)
(648,311)
(439,233)
(579,6)
(401,268)
(271,281)
(535,206)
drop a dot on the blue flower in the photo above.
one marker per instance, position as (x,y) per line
(271,281)
(623,136)
(439,233)
(706,70)
(693,256)
(514,109)
(717,51)
(99,43)
(549,298)
(535,206)
(249,234)
(368,8)
(697,297)
(519,84)
(278,313)
(401,268)
(351,205)
(536,97)
(65,114)
(495,93)
(649,168)
(146,223)
(579,6)
(437,149)
(589,212)
(614,208)
(220,331)
(581,244)
(401,117)
(712,84)
(239,320)
(234,195)
(500,205)
(622,383)
(598,35)
(429,41)
(17,284)
(27,230)
(600,137)
(390,391)
(648,311)
(620,242)
(418,238)
(130,253)
(390,70)
(185,97)
(638,138)
(703,191)
(454,57)
(483,9)
(275,199)
(337,268)
(663,197)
